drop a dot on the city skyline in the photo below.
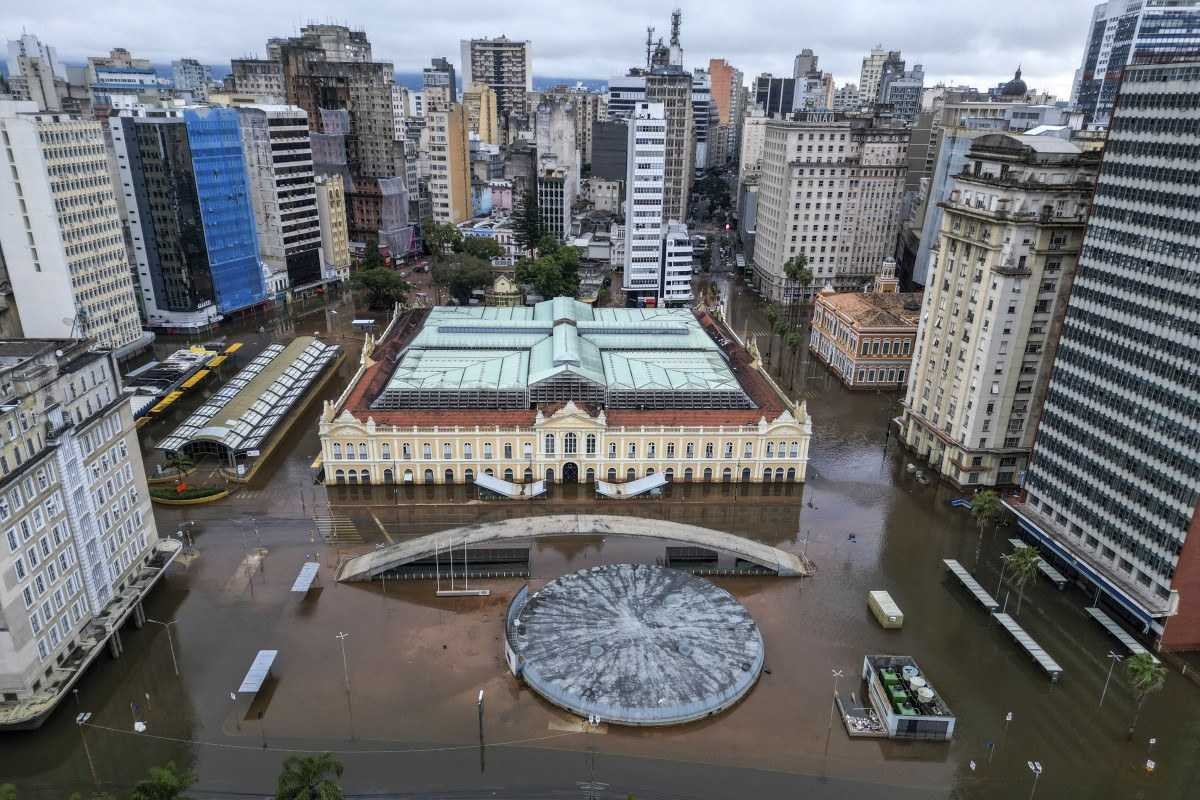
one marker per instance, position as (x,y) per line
(1045,40)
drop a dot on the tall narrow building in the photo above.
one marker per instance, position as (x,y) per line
(1006,255)
(449,164)
(1114,486)
(503,64)
(439,87)
(191,220)
(60,230)
(36,73)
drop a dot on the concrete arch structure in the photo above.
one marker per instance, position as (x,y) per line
(370,565)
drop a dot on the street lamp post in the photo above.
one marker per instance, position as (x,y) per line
(1036,768)
(170,641)
(342,637)
(837,673)
(1113,660)
(80,721)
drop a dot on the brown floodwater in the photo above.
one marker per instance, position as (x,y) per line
(407,722)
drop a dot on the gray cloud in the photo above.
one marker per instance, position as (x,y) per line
(956,41)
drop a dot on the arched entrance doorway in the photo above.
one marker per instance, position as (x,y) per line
(570,472)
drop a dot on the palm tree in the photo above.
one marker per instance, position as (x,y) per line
(772,322)
(793,341)
(1022,565)
(1146,675)
(985,508)
(796,270)
(310,778)
(163,783)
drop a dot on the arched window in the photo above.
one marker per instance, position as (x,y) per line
(708,474)
(708,449)
(669,473)
(489,471)
(745,475)
(549,475)
(427,451)
(389,476)
(528,475)
(779,473)
(350,450)
(794,449)
(590,443)
(508,449)
(337,450)
(385,451)
(690,450)
(364,476)
(406,451)
(449,476)
(632,450)
(687,475)
(670,449)
(469,476)
(589,476)
(729,450)
(791,474)
(508,475)
(748,450)
(362,451)
(727,475)
(651,450)
(630,474)
(487,451)
(468,450)
(408,476)
(340,476)
(767,475)
(612,449)
(429,476)
(352,476)
(569,444)
(650,470)
(770,449)
(447,451)
(527,448)
(548,444)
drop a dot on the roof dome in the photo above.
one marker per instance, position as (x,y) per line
(1016,87)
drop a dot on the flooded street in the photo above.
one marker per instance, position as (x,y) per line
(402,715)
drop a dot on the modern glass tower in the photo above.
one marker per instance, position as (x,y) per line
(1115,477)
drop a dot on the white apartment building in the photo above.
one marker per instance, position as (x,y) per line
(676,277)
(753,132)
(189,75)
(61,232)
(400,110)
(77,534)
(1006,256)
(556,193)
(831,189)
(644,189)
(279,164)
(871,74)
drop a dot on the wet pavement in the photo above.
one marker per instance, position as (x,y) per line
(402,715)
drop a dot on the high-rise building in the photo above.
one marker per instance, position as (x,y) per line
(901,90)
(557,188)
(278,153)
(804,64)
(119,78)
(1006,256)
(555,134)
(726,82)
(645,188)
(847,98)
(504,65)
(35,73)
(872,73)
(672,88)
(482,117)
(335,238)
(753,136)
(258,77)
(830,189)
(704,116)
(1124,32)
(775,96)
(400,105)
(60,230)
(439,87)
(186,194)
(77,531)
(189,75)
(590,107)
(449,164)
(610,143)
(1115,478)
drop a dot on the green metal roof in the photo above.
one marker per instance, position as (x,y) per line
(512,348)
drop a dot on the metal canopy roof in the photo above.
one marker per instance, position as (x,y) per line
(256,676)
(244,412)
(308,573)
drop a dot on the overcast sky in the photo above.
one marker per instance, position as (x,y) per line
(957,40)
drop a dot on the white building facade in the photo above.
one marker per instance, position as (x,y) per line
(644,189)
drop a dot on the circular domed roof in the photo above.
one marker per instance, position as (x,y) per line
(1016,87)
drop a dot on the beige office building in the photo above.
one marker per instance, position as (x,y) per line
(482,119)
(449,164)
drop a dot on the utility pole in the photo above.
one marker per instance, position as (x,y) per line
(170,641)
(1036,768)
(80,721)
(342,637)
(1113,660)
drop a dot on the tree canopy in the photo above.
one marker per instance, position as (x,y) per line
(527,221)
(384,287)
(310,778)
(163,783)
(461,274)
(554,272)
(440,238)
(483,247)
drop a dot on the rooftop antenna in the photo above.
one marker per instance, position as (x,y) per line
(649,44)
(676,17)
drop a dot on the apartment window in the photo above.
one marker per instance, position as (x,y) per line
(548,444)
(590,444)
(508,451)
(670,449)
(708,450)
(690,450)
(487,450)
(612,449)
(631,450)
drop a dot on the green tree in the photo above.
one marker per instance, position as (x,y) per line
(796,270)
(179,461)
(793,340)
(1146,675)
(163,783)
(8,791)
(554,273)
(986,509)
(383,286)
(439,238)
(527,221)
(1021,566)
(310,778)
(483,247)
(371,258)
(462,274)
